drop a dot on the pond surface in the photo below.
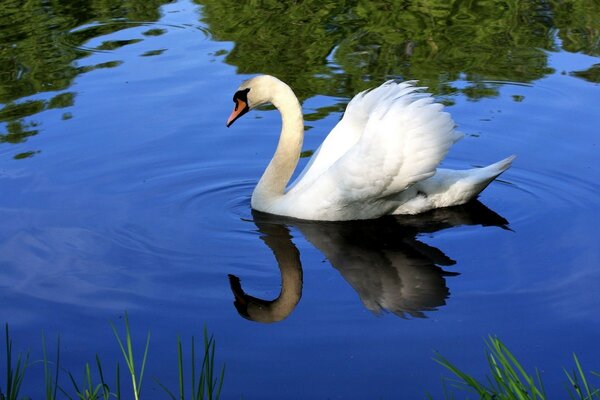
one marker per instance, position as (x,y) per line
(122,190)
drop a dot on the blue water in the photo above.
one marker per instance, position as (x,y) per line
(135,197)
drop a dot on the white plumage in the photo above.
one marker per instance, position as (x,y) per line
(381,158)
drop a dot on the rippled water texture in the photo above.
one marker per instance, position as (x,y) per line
(122,190)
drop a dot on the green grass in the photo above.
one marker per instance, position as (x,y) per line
(50,384)
(127,350)
(508,380)
(14,372)
(87,390)
(204,384)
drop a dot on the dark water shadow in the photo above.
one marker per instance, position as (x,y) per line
(382,259)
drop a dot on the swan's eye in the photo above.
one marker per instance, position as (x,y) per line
(241,95)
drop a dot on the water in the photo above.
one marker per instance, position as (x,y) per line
(121,189)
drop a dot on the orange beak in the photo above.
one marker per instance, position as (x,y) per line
(241,108)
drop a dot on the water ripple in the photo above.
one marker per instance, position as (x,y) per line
(80,37)
(549,189)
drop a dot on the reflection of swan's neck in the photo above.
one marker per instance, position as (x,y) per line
(288,260)
(279,171)
(291,286)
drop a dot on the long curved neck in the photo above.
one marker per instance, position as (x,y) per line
(279,171)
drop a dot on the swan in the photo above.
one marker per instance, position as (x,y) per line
(381,158)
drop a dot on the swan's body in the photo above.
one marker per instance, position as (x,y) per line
(380,159)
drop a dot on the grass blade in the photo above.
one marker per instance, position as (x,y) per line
(465,380)
(74,383)
(221,380)
(51,385)
(118,384)
(105,387)
(127,351)
(582,376)
(14,376)
(166,389)
(180,368)
(193,368)
(8,359)
(143,367)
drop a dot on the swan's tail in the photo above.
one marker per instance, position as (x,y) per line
(449,187)
(492,171)
(480,178)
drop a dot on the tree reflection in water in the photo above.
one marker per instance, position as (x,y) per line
(339,48)
(330,48)
(40,46)
(390,269)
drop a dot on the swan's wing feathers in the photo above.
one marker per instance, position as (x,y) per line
(400,135)
(363,104)
(406,136)
(351,127)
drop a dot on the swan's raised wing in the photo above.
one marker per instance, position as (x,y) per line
(405,137)
(350,128)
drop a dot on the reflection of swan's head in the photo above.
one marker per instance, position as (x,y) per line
(259,310)
(268,311)
(256,91)
(247,306)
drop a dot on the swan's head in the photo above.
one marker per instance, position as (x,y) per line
(254,92)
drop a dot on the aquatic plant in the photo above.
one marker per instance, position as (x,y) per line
(509,380)
(51,385)
(14,373)
(127,350)
(91,391)
(205,384)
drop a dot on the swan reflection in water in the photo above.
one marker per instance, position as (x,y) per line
(382,259)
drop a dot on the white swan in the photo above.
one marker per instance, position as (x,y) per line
(380,159)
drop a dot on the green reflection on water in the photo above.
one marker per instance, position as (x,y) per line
(591,74)
(38,53)
(338,48)
(333,48)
